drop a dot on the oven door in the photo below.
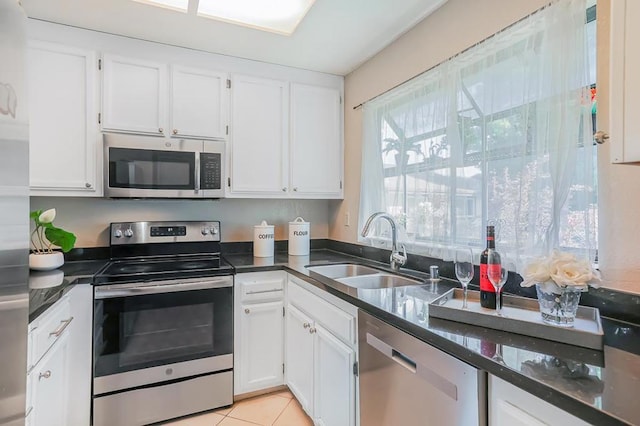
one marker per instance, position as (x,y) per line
(147,333)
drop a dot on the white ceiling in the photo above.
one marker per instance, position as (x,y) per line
(335,37)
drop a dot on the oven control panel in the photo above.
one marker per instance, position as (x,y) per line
(164,232)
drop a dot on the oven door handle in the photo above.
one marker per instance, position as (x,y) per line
(123,290)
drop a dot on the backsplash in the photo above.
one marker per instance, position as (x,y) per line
(89,218)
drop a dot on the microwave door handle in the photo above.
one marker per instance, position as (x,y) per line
(197,174)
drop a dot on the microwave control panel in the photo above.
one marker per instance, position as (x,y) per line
(210,171)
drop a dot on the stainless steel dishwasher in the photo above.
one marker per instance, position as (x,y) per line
(404,381)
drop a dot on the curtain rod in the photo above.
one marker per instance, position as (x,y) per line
(457,54)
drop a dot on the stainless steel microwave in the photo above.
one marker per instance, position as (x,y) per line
(148,167)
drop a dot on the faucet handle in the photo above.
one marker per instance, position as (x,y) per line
(398,258)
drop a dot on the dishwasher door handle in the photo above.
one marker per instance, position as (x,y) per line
(430,376)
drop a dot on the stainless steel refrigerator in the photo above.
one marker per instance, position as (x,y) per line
(14,214)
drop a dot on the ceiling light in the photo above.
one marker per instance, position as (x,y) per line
(279,16)
(179,5)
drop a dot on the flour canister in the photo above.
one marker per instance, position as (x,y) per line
(299,237)
(263,237)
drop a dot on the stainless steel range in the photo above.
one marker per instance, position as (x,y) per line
(163,324)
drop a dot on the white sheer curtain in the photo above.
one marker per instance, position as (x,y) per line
(499,134)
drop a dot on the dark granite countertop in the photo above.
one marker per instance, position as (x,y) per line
(47,287)
(596,386)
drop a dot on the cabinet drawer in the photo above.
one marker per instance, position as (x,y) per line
(334,319)
(48,329)
(260,287)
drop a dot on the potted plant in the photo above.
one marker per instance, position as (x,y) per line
(559,280)
(402,150)
(44,237)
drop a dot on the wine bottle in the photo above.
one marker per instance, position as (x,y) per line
(487,291)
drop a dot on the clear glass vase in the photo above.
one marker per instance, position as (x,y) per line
(558,305)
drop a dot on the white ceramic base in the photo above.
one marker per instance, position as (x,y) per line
(46,262)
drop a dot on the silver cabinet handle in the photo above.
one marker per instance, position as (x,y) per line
(160,130)
(63,325)
(44,375)
(312,330)
(88,185)
(247,311)
(306,325)
(600,137)
(284,189)
(175,131)
(263,291)
(295,189)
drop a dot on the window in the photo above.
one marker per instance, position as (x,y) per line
(499,134)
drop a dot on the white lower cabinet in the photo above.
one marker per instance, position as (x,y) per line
(512,406)
(50,385)
(333,379)
(320,355)
(59,362)
(299,355)
(259,331)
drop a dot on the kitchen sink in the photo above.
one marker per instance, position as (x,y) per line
(378,281)
(343,270)
(360,276)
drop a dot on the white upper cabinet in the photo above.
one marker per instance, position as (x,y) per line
(624,85)
(316,142)
(133,95)
(63,122)
(134,99)
(286,140)
(198,103)
(259,137)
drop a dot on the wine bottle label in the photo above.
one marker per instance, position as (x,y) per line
(485,284)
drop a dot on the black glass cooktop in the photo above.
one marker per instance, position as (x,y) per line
(163,268)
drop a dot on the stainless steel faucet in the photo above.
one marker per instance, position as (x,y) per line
(396,259)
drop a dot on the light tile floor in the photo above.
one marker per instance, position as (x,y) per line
(274,409)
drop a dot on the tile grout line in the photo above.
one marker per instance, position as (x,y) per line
(283,410)
(256,398)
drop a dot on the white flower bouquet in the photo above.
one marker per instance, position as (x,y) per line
(563,269)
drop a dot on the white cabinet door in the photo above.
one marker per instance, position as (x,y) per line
(334,381)
(299,357)
(133,95)
(49,385)
(511,406)
(624,97)
(63,122)
(198,103)
(79,358)
(259,138)
(261,347)
(316,142)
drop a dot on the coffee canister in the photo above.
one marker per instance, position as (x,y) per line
(263,238)
(299,237)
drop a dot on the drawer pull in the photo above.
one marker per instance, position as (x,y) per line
(44,375)
(247,311)
(63,325)
(273,290)
(312,330)
(306,325)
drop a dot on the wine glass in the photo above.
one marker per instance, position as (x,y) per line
(497,274)
(464,270)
